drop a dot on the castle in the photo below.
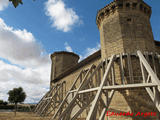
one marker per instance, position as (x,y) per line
(122,77)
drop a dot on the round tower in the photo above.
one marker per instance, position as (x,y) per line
(124,27)
(61,61)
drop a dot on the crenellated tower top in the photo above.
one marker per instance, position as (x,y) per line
(124,27)
(123,5)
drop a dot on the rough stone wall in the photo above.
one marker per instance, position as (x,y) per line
(132,100)
(61,61)
(111,37)
(125,31)
(158,49)
(72,76)
(125,28)
(69,79)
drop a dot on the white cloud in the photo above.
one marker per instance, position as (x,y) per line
(23,62)
(34,81)
(90,51)
(67,47)
(3,4)
(62,18)
(20,47)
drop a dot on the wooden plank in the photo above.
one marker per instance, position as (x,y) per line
(149,91)
(68,108)
(130,68)
(81,87)
(113,74)
(122,69)
(42,104)
(103,67)
(106,64)
(99,92)
(154,77)
(96,79)
(107,105)
(65,98)
(120,87)
(102,114)
(154,65)
(143,72)
(99,76)
(56,94)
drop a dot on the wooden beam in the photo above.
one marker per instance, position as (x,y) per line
(118,87)
(130,68)
(122,69)
(149,69)
(154,65)
(99,92)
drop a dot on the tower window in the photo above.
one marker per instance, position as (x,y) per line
(107,11)
(102,15)
(127,5)
(120,5)
(148,12)
(145,9)
(141,7)
(113,7)
(134,5)
(129,19)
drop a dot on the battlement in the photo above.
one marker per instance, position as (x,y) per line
(62,61)
(123,5)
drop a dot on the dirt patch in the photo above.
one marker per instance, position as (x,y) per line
(20,116)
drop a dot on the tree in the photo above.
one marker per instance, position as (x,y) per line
(5,103)
(16,2)
(1,102)
(17,95)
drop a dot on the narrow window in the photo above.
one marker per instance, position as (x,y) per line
(127,5)
(113,7)
(107,11)
(141,7)
(120,5)
(145,9)
(129,19)
(134,5)
(148,12)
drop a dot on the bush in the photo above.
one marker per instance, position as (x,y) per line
(3,103)
(7,107)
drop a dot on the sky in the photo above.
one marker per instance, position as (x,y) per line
(36,29)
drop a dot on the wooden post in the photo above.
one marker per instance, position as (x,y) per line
(122,69)
(130,68)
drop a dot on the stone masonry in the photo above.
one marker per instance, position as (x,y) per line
(124,27)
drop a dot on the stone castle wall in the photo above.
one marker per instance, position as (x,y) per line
(124,28)
(131,100)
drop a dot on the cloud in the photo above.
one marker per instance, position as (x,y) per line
(90,51)
(23,62)
(3,4)
(35,82)
(62,18)
(20,47)
(67,47)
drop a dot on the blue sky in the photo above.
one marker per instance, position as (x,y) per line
(48,26)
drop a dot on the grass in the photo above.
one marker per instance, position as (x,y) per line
(20,116)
